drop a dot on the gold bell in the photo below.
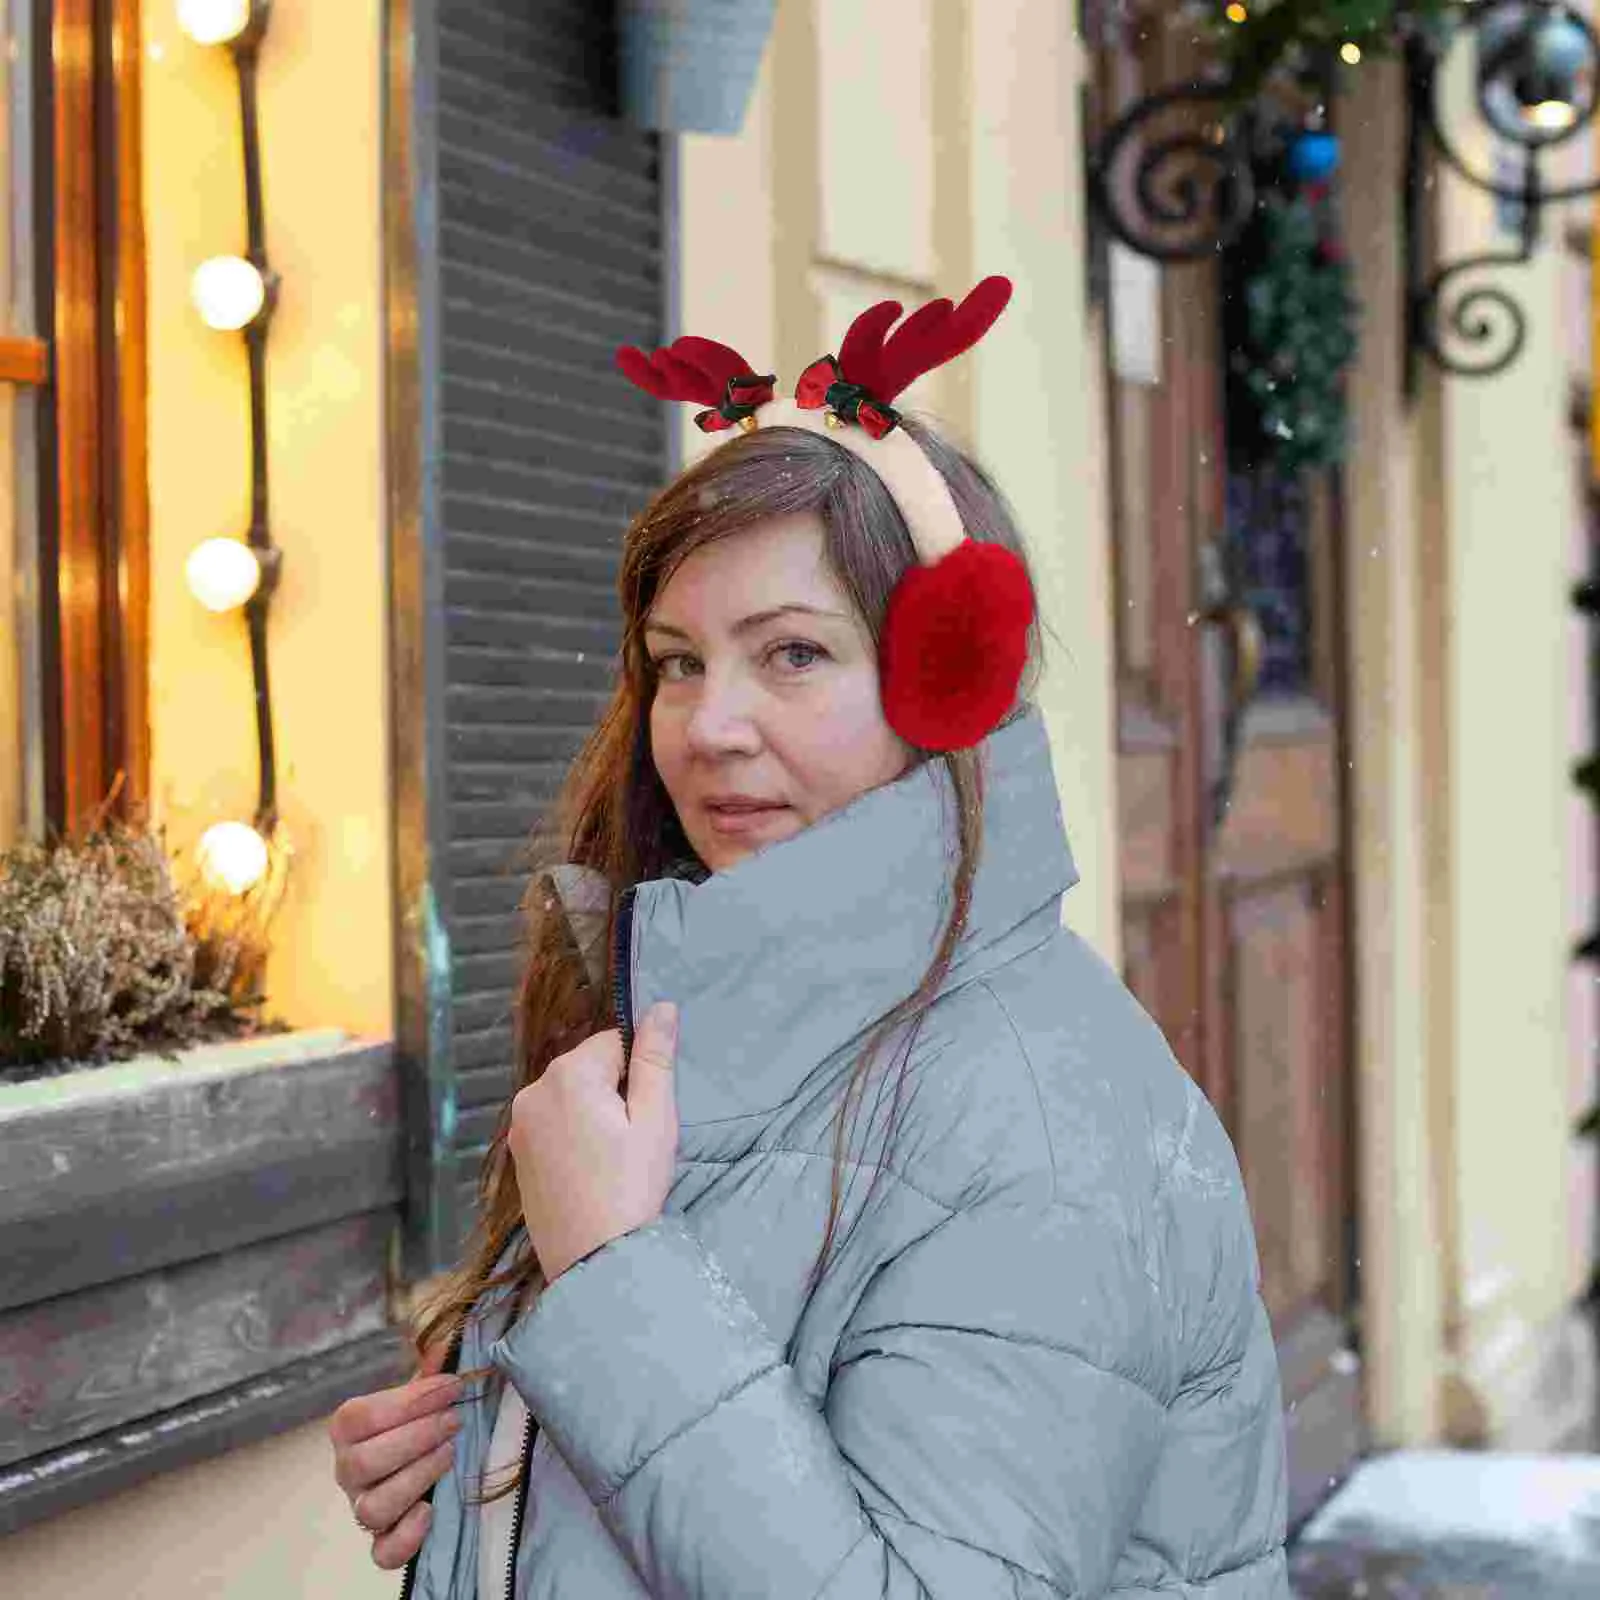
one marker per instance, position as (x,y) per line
(748,424)
(832,419)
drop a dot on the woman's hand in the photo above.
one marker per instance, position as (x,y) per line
(591,1165)
(389,1449)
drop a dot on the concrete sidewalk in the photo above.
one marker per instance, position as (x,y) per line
(1456,1525)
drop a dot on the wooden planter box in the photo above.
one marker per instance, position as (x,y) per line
(194,1254)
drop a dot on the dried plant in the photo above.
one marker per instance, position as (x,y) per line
(102,955)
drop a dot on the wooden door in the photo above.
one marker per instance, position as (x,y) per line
(1235,926)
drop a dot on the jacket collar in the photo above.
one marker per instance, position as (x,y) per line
(781,960)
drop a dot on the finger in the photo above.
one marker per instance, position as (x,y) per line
(360,1463)
(655,1048)
(392,1550)
(599,1057)
(367,1415)
(383,1505)
(364,1415)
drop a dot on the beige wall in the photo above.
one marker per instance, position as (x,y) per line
(1506,871)
(1038,408)
(324,405)
(1394,1055)
(975,172)
(1468,885)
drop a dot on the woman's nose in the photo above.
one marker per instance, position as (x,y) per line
(723,717)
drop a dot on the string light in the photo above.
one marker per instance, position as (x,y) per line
(1350,51)
(223,573)
(1238,13)
(214,21)
(232,856)
(228,292)
(232,294)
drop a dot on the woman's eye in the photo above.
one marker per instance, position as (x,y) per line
(798,654)
(666,667)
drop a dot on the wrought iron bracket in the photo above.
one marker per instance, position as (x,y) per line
(1182,195)
(1173,177)
(1467,327)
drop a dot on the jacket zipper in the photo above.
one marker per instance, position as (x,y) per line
(622,967)
(622,1002)
(530,1433)
(622,997)
(451,1361)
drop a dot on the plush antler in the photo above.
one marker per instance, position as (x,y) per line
(701,370)
(687,369)
(932,335)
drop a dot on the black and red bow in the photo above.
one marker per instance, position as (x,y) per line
(712,374)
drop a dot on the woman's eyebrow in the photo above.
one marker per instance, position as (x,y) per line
(754,620)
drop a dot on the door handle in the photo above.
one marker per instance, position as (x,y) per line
(1243,644)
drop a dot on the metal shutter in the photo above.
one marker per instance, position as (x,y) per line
(549,236)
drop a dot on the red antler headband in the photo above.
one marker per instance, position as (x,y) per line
(955,637)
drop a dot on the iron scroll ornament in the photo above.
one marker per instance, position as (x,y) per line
(1185,195)
(1191,192)
(1466,327)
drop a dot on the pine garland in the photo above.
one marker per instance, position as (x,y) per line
(1275,33)
(1298,334)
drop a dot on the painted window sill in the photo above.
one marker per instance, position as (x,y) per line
(195,1253)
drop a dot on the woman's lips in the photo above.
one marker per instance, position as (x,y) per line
(743,818)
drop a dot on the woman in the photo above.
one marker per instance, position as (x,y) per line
(900,1256)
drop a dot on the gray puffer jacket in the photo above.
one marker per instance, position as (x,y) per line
(1039,1364)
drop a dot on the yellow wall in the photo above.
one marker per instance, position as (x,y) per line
(266,1521)
(12,811)
(320,156)
(21,773)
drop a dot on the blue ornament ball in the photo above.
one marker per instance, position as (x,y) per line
(1313,157)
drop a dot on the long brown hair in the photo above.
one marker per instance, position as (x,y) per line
(614,815)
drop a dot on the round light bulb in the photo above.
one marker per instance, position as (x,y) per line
(1550,116)
(228,292)
(213,21)
(223,573)
(1238,13)
(233,856)
(1350,52)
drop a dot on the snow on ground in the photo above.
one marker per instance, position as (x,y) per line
(1456,1525)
